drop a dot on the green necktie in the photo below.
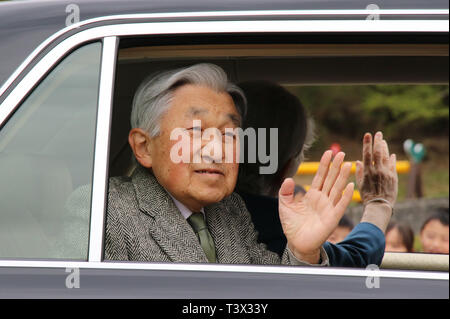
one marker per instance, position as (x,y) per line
(198,224)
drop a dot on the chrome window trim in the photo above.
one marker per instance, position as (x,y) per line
(158,28)
(100,174)
(221,14)
(112,32)
(267,269)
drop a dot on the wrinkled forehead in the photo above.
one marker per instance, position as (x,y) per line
(197,102)
(199,112)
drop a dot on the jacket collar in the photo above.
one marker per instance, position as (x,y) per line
(149,191)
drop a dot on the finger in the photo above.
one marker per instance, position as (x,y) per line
(367,152)
(393,163)
(341,182)
(385,153)
(386,148)
(322,171)
(286,193)
(394,168)
(345,200)
(333,173)
(359,173)
(377,150)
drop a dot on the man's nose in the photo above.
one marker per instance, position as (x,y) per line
(209,159)
(213,153)
(212,150)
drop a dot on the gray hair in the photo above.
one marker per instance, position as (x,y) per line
(154,96)
(310,138)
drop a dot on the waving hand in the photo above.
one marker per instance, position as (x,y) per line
(308,221)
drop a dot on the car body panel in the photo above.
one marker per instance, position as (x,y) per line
(189,281)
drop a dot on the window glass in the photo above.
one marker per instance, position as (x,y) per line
(46,163)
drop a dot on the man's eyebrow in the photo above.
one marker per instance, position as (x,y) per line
(235,119)
(193,111)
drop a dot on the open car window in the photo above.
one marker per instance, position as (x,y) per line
(347,89)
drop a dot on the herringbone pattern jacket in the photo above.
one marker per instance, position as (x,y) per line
(143,224)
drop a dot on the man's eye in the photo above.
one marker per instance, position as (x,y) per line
(230,134)
(195,129)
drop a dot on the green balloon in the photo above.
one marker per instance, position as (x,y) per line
(418,152)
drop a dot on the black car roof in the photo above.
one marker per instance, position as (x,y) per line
(25,24)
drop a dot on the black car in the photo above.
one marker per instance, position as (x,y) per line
(68,72)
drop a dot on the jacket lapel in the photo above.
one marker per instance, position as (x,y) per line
(168,228)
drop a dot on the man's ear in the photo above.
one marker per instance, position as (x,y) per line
(140,144)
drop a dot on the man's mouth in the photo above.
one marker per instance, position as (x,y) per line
(209,171)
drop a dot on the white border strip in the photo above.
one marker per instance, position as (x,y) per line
(218,14)
(100,176)
(256,269)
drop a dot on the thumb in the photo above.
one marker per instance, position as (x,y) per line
(286,193)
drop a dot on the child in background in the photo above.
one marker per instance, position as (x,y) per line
(399,238)
(434,233)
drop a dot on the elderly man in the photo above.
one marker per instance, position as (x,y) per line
(186,211)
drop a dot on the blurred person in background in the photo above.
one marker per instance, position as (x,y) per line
(434,232)
(399,238)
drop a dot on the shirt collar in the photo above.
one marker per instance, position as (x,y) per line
(186,212)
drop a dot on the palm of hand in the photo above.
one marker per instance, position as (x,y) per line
(308,221)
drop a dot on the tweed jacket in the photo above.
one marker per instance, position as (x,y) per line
(144,224)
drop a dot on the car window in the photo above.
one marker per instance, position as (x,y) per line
(46,163)
(347,90)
